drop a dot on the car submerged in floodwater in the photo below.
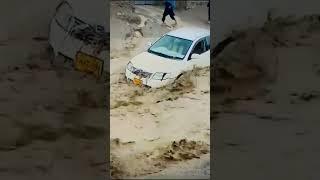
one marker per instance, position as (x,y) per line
(169,57)
(78,32)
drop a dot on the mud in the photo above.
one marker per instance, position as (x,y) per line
(156,160)
(46,108)
(265,94)
(164,127)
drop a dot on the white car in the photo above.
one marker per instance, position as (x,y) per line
(80,26)
(169,57)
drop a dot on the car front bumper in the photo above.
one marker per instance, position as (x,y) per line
(64,43)
(152,83)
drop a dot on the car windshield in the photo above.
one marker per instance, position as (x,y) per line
(171,47)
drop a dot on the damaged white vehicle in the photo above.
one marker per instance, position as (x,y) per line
(78,31)
(169,57)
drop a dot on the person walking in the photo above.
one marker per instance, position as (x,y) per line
(168,10)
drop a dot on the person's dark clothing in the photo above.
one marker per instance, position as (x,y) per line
(168,11)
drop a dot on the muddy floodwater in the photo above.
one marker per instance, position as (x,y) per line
(155,132)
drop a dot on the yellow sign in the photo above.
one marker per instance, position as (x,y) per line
(137,81)
(88,64)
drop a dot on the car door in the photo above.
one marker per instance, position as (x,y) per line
(202,49)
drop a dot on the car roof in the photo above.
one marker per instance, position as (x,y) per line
(190,33)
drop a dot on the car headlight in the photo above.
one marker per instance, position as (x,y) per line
(64,15)
(161,76)
(130,67)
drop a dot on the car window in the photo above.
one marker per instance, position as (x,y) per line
(199,48)
(171,47)
(207,43)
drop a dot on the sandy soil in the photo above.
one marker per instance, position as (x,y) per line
(266,102)
(52,118)
(157,131)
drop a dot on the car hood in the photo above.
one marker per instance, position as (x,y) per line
(153,63)
(93,12)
